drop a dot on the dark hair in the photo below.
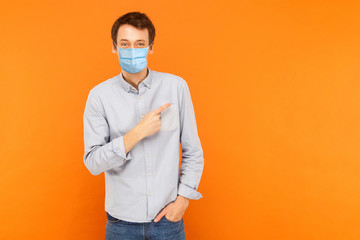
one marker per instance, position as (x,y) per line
(136,19)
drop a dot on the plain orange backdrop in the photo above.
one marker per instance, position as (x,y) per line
(275,86)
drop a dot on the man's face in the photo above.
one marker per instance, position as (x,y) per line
(130,37)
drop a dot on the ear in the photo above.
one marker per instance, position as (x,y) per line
(151,49)
(114,50)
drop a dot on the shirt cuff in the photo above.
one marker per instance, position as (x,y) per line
(119,148)
(188,192)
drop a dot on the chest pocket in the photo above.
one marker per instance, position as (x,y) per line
(170,118)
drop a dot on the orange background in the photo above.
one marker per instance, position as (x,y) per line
(275,86)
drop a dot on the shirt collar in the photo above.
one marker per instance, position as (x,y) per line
(127,86)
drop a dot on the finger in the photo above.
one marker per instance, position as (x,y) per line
(159,216)
(157,116)
(162,108)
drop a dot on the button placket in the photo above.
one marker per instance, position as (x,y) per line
(148,159)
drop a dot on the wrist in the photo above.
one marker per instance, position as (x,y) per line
(138,133)
(182,199)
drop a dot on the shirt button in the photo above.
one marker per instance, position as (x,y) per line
(150,193)
(142,115)
(140,97)
(147,155)
(149,173)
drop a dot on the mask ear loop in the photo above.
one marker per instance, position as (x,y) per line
(117,48)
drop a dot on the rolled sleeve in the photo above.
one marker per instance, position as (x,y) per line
(188,192)
(119,148)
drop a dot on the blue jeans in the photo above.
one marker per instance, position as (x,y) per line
(164,229)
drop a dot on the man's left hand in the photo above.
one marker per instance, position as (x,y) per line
(174,211)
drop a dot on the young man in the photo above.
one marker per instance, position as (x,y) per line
(133,124)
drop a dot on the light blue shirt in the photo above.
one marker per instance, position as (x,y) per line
(141,183)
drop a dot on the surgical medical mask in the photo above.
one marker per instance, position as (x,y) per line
(133,60)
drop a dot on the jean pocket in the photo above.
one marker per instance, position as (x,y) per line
(111,218)
(171,220)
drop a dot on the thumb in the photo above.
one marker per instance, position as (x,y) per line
(160,215)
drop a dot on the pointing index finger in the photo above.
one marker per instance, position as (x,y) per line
(162,108)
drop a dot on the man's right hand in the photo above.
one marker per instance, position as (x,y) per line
(151,122)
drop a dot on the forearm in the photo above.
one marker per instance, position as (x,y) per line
(132,138)
(102,158)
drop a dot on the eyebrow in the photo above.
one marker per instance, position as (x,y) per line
(128,40)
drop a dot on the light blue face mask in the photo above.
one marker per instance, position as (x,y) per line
(133,60)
